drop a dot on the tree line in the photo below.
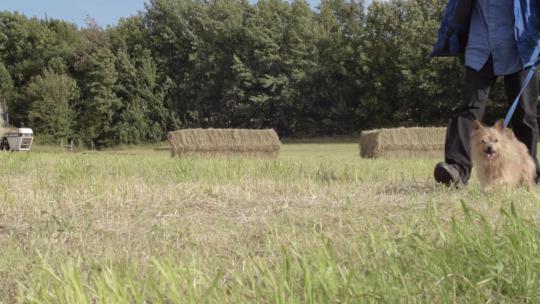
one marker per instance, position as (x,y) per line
(337,69)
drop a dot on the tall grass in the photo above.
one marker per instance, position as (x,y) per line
(470,262)
(145,228)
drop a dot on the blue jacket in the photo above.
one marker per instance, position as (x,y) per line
(452,35)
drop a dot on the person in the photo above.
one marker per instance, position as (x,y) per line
(494,38)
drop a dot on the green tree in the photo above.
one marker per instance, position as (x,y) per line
(339,83)
(171,38)
(27,46)
(276,60)
(142,116)
(409,87)
(50,115)
(6,87)
(96,109)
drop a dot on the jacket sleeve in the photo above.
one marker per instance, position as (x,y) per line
(527,27)
(452,35)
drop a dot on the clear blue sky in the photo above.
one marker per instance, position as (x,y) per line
(105,12)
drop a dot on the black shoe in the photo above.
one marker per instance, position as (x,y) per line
(447,174)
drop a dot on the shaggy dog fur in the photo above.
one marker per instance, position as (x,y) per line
(501,160)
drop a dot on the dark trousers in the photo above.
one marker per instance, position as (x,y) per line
(478,84)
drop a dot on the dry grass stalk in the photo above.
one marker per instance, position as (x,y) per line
(225,142)
(402,142)
(2,128)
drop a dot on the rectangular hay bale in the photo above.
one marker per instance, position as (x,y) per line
(403,142)
(225,142)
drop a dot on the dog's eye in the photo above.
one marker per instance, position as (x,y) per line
(495,140)
(483,141)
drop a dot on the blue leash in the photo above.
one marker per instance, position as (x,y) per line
(516,101)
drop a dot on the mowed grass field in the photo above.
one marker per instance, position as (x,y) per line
(318,225)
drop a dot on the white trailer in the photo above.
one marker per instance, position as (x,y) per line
(17,139)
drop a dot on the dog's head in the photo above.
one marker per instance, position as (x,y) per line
(490,142)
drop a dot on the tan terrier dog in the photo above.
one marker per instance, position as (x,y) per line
(501,160)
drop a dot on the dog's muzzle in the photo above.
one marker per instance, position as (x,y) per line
(489,151)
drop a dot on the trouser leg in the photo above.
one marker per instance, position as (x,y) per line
(524,121)
(478,84)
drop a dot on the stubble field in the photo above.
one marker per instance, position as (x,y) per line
(318,225)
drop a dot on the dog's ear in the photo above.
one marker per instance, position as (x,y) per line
(477,125)
(499,124)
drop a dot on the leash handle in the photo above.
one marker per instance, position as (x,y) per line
(512,109)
